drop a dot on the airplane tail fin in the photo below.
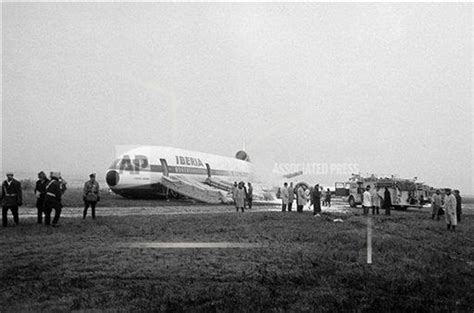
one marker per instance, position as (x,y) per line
(294,174)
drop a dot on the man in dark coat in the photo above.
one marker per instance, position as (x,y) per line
(328,197)
(53,200)
(11,198)
(249,195)
(316,200)
(90,195)
(40,192)
(291,196)
(387,201)
(458,205)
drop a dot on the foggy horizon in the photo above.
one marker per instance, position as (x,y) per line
(387,87)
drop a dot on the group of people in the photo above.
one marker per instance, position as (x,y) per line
(449,205)
(49,193)
(375,200)
(242,195)
(305,196)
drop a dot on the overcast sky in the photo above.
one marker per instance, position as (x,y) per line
(385,86)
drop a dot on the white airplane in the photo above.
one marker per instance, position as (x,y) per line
(157,171)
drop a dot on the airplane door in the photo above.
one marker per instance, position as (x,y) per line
(164,165)
(208,170)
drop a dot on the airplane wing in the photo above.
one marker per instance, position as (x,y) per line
(260,192)
(212,190)
(195,189)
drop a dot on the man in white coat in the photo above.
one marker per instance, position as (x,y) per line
(285,196)
(301,198)
(366,200)
(450,210)
(376,200)
(234,194)
(240,197)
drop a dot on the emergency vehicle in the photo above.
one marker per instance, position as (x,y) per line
(404,193)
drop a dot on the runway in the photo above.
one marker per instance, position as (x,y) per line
(173,210)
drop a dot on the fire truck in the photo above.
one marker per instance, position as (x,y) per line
(404,193)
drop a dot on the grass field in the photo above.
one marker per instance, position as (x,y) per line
(303,264)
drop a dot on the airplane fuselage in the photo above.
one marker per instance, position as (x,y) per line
(137,173)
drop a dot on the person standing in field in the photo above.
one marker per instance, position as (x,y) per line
(285,196)
(62,183)
(12,198)
(53,200)
(316,200)
(234,193)
(458,205)
(291,196)
(240,197)
(90,195)
(436,204)
(301,199)
(328,197)
(249,195)
(366,200)
(376,201)
(450,210)
(387,201)
(246,195)
(307,195)
(323,196)
(40,192)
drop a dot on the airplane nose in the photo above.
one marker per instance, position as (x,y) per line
(112,178)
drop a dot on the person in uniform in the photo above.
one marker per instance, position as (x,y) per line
(53,200)
(12,198)
(291,196)
(450,210)
(284,194)
(40,192)
(249,195)
(90,195)
(458,205)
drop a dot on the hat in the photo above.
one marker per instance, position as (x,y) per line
(55,174)
(92,175)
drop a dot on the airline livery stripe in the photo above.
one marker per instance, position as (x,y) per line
(187,170)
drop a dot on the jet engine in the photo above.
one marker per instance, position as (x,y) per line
(242,155)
